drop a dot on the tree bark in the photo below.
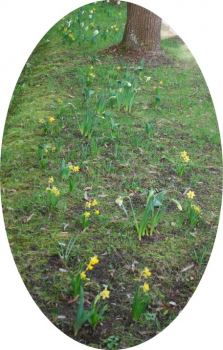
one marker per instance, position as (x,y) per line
(142,30)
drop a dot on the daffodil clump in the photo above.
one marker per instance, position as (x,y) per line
(194,213)
(91,208)
(181,164)
(67,170)
(153,212)
(95,307)
(73,179)
(53,193)
(157,94)
(141,298)
(81,278)
(94,315)
(46,123)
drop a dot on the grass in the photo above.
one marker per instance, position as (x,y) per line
(123,162)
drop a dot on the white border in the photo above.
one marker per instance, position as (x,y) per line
(22,25)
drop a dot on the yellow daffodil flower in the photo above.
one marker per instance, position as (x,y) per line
(94,202)
(118,68)
(97,212)
(89,267)
(161,82)
(148,79)
(91,67)
(87,214)
(186,159)
(41,120)
(51,119)
(183,154)
(190,194)
(83,275)
(146,272)
(120,90)
(76,168)
(88,205)
(94,260)
(145,287)
(59,100)
(51,179)
(105,293)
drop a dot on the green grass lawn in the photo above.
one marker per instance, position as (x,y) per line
(67,75)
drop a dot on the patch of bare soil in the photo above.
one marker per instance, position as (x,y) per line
(153,59)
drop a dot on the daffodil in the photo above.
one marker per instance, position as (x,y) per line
(96,32)
(177,204)
(183,154)
(76,168)
(186,159)
(87,214)
(118,68)
(94,202)
(119,201)
(145,287)
(59,100)
(94,260)
(91,67)
(190,194)
(51,119)
(120,90)
(41,120)
(148,79)
(161,82)
(51,179)
(97,212)
(55,191)
(88,205)
(89,267)
(128,84)
(105,293)
(83,275)
(146,272)
(53,148)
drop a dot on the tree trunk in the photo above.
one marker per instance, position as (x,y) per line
(142,30)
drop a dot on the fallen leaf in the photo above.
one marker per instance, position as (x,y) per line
(187,268)
(30,217)
(73,300)
(88,188)
(86,196)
